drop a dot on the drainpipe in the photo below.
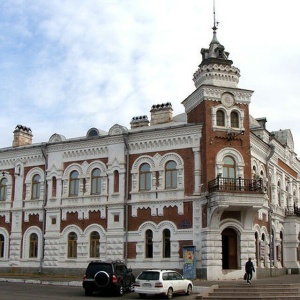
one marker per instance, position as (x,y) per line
(125,138)
(44,152)
(271,250)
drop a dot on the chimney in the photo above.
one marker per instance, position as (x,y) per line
(22,136)
(161,113)
(140,121)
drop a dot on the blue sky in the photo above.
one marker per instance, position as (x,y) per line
(70,65)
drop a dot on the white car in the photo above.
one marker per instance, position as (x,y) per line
(166,282)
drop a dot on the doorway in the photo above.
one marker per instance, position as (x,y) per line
(229,249)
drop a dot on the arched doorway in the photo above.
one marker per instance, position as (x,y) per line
(229,249)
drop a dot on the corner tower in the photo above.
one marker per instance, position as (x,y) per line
(223,109)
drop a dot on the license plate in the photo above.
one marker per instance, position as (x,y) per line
(147,284)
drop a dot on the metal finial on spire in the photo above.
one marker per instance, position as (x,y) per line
(215,23)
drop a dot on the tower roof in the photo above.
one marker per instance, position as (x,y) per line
(216,52)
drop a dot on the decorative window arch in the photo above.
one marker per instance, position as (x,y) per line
(3,189)
(36,187)
(236,156)
(32,243)
(171,175)
(224,118)
(35,184)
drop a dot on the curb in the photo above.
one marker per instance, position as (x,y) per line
(196,289)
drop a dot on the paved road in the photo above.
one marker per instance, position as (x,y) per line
(22,291)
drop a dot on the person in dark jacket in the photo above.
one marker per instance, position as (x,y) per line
(249,268)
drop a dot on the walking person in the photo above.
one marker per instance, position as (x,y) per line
(249,268)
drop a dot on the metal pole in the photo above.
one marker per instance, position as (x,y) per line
(270,238)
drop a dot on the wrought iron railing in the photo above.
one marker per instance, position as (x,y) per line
(235,184)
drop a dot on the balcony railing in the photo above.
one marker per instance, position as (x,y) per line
(235,185)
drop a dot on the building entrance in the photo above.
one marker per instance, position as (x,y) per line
(229,249)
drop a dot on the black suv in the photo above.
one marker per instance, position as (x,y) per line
(103,276)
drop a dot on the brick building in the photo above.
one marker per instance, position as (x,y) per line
(212,177)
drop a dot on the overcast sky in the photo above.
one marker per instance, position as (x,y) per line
(68,66)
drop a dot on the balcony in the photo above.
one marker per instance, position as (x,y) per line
(222,184)
(235,193)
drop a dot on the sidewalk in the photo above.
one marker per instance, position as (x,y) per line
(199,285)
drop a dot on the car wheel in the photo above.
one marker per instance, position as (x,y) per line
(189,290)
(131,287)
(142,296)
(120,290)
(88,292)
(169,293)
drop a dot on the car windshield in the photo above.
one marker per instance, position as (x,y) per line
(96,267)
(149,275)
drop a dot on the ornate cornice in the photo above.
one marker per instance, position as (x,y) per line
(214,93)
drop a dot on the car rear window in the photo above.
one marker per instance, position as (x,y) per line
(93,268)
(149,275)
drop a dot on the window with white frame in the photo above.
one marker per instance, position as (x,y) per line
(3,189)
(33,245)
(171,175)
(149,244)
(145,177)
(74,184)
(96,182)
(2,241)
(36,187)
(72,245)
(166,243)
(220,118)
(95,244)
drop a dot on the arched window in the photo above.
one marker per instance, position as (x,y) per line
(171,175)
(74,184)
(166,243)
(72,245)
(149,243)
(229,167)
(36,187)
(234,119)
(3,189)
(116,181)
(53,186)
(95,244)
(145,177)
(33,245)
(220,118)
(1,245)
(96,182)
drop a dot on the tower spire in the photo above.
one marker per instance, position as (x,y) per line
(215,23)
